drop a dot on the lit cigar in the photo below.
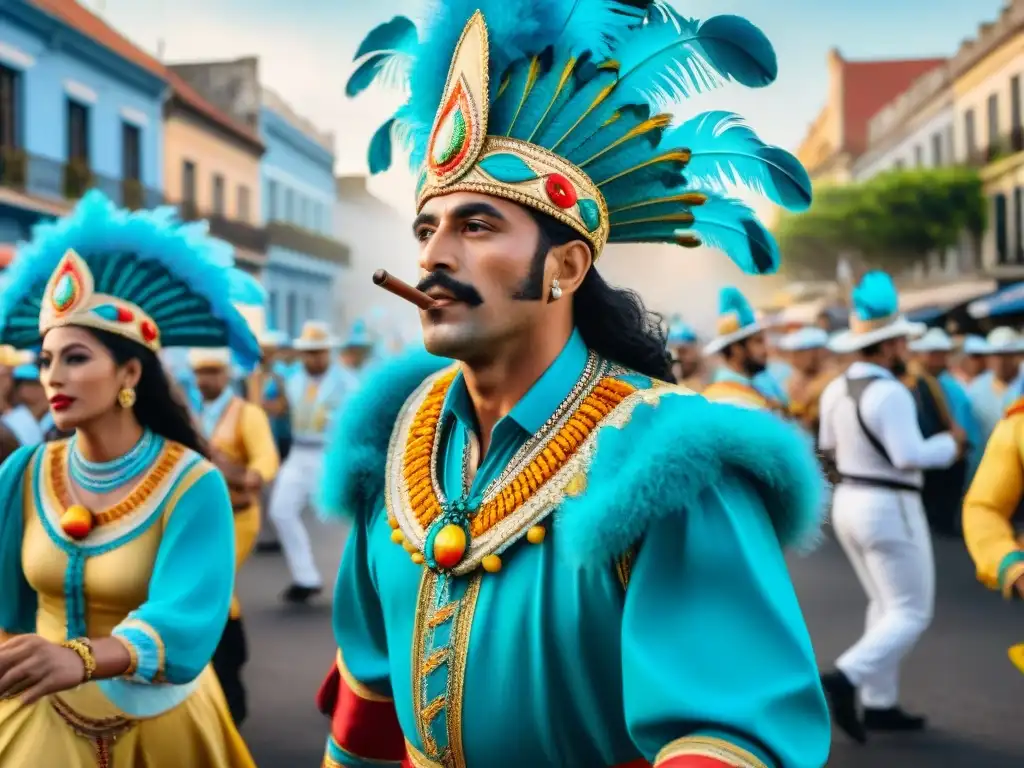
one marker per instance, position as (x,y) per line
(402,290)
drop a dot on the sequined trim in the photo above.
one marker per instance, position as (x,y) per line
(101,732)
(709,746)
(428,659)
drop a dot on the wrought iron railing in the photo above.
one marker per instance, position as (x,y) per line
(238,233)
(295,238)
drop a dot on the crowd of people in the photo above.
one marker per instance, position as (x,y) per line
(560,554)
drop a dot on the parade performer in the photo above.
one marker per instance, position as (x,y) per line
(357,349)
(314,395)
(742,379)
(116,571)
(974,351)
(242,447)
(941,402)
(995,390)
(29,406)
(538,528)
(869,421)
(811,371)
(275,404)
(682,344)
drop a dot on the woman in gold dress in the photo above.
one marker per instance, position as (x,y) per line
(117,544)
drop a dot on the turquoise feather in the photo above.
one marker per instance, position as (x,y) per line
(379,155)
(507,168)
(875,297)
(398,35)
(139,252)
(562,131)
(732,301)
(723,145)
(246,289)
(366,74)
(732,227)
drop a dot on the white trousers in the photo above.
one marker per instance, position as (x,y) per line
(885,536)
(292,494)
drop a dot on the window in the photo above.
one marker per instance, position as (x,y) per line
(243,202)
(10,107)
(999,203)
(218,194)
(289,205)
(970,138)
(993,120)
(78,132)
(1015,112)
(131,152)
(272,200)
(292,312)
(1018,225)
(303,212)
(188,183)
(936,150)
(918,156)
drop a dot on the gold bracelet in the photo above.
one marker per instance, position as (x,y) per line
(83,648)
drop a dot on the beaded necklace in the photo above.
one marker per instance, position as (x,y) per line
(105,476)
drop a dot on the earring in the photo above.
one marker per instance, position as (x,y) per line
(126,397)
(556,290)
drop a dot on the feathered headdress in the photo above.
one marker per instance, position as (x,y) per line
(143,275)
(680,333)
(875,317)
(559,105)
(736,320)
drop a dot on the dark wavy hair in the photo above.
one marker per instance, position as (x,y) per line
(612,321)
(158,406)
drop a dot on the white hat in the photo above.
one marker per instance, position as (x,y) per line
(935,340)
(809,337)
(273,339)
(736,321)
(1004,341)
(315,337)
(975,345)
(214,357)
(875,316)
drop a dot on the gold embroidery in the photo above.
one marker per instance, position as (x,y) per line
(709,746)
(102,733)
(424,603)
(432,710)
(435,660)
(442,615)
(457,669)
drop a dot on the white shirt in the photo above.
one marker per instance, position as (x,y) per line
(890,413)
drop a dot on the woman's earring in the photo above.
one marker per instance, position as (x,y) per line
(126,397)
(556,290)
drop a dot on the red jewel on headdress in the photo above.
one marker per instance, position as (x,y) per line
(149,332)
(561,191)
(125,315)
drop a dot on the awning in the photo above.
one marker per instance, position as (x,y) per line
(946,296)
(1008,301)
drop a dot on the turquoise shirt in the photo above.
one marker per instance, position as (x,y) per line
(547,664)
(989,400)
(763,383)
(962,411)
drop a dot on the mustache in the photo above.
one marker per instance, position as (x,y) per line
(463,292)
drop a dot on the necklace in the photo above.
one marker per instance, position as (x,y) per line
(105,476)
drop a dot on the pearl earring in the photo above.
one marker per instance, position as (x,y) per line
(556,290)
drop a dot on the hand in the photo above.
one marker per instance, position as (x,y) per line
(253,480)
(34,667)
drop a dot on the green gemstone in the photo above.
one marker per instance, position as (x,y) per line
(590,213)
(64,292)
(450,137)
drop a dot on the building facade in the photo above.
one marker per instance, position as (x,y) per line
(857,91)
(305,259)
(212,168)
(80,107)
(989,130)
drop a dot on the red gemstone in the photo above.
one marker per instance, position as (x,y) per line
(561,191)
(148,330)
(125,315)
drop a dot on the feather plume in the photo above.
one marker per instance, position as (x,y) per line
(732,300)
(176,273)
(733,228)
(246,289)
(723,146)
(875,297)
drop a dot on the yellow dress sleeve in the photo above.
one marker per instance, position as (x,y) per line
(990,505)
(260,448)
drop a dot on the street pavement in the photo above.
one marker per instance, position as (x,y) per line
(959,675)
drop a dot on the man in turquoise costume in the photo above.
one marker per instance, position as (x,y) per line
(541,572)
(743,378)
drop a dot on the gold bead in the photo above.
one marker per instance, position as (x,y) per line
(397,536)
(491,563)
(393,522)
(417,558)
(577,485)
(536,534)
(409,547)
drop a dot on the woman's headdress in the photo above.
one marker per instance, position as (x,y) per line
(143,275)
(559,105)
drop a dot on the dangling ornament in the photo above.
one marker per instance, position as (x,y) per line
(76,522)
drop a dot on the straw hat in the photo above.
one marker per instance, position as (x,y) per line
(315,337)
(875,317)
(213,357)
(736,320)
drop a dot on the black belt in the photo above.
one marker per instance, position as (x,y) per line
(879,482)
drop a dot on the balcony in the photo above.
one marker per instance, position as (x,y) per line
(53,185)
(251,242)
(295,238)
(1003,155)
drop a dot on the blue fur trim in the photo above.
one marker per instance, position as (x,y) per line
(688,446)
(353,478)
(174,272)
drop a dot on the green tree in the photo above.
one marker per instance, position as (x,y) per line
(889,221)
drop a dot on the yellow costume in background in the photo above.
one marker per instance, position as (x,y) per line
(992,523)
